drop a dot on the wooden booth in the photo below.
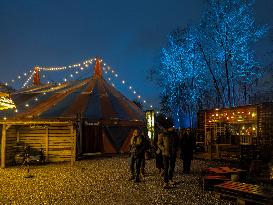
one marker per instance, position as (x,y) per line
(244,131)
(56,138)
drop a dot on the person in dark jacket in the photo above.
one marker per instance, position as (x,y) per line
(168,143)
(187,147)
(147,146)
(158,154)
(137,151)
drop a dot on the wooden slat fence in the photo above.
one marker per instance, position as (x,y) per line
(57,141)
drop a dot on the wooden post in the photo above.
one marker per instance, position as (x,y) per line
(73,145)
(3,147)
(17,135)
(46,145)
(217,150)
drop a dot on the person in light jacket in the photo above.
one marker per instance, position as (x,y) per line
(168,144)
(137,152)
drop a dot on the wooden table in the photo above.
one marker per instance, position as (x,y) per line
(246,193)
(224,170)
(218,175)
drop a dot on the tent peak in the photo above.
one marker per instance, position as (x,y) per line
(36,77)
(97,68)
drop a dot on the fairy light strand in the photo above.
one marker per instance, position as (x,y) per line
(108,69)
(81,66)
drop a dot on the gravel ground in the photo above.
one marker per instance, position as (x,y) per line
(100,181)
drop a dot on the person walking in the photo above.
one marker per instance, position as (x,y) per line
(147,146)
(158,154)
(169,146)
(137,151)
(187,147)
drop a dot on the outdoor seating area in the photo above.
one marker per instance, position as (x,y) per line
(233,184)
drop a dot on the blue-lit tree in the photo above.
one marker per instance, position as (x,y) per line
(229,30)
(212,64)
(182,73)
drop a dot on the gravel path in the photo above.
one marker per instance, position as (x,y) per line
(100,181)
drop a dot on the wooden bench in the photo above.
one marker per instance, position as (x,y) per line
(243,193)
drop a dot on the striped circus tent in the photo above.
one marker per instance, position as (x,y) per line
(103,117)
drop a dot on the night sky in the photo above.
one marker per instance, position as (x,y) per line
(128,35)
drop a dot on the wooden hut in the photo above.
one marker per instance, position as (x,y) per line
(56,138)
(247,129)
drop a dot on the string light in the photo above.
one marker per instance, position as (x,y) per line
(108,69)
(81,66)
(60,68)
(29,78)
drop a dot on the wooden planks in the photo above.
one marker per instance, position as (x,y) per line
(57,141)
(3,147)
(246,192)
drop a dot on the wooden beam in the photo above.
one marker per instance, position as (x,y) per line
(73,145)
(3,146)
(17,136)
(33,122)
(46,144)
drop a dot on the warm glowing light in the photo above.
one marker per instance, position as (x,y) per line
(6,102)
(150,119)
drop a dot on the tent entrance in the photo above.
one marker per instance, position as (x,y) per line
(91,138)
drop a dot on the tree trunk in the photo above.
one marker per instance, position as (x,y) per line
(213,76)
(228,81)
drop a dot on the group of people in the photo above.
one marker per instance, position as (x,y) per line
(167,145)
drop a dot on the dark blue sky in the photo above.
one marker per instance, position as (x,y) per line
(126,34)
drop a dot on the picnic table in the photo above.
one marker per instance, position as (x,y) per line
(218,175)
(244,193)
